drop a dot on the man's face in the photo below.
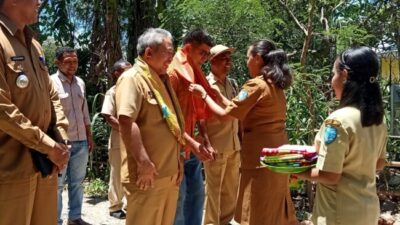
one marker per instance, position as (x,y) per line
(68,64)
(221,64)
(29,10)
(199,53)
(159,57)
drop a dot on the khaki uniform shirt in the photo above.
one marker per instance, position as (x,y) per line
(109,108)
(73,99)
(261,106)
(135,99)
(349,149)
(26,114)
(223,134)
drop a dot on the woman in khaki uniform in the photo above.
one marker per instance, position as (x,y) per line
(264,196)
(352,145)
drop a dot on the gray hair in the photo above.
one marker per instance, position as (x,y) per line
(119,64)
(151,37)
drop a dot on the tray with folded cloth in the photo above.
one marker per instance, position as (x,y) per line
(289,158)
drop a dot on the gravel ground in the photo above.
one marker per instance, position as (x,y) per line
(94,211)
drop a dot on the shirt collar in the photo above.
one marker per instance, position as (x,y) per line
(181,56)
(8,24)
(214,79)
(63,78)
(142,64)
(12,28)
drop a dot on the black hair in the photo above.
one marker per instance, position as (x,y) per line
(198,37)
(119,64)
(275,63)
(361,89)
(61,50)
(1,3)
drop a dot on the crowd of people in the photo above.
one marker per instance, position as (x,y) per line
(169,121)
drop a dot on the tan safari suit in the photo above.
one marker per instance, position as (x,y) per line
(222,174)
(353,153)
(115,190)
(155,206)
(26,114)
(264,197)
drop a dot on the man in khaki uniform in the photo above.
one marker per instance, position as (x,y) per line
(115,191)
(222,173)
(29,109)
(152,129)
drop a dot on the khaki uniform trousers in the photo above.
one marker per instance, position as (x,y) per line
(115,190)
(222,181)
(31,201)
(156,206)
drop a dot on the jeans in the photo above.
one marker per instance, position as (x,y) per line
(74,174)
(189,210)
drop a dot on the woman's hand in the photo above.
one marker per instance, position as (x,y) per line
(197,89)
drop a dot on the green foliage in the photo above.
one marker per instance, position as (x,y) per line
(96,188)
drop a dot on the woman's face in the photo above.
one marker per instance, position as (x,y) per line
(338,80)
(254,63)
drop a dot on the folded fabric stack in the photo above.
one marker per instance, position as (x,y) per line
(289,158)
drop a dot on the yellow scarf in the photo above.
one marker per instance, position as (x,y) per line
(166,98)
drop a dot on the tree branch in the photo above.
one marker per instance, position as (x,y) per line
(286,7)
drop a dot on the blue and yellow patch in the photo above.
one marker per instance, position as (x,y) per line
(330,134)
(243,94)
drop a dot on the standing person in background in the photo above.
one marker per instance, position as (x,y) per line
(71,91)
(351,136)
(222,173)
(264,197)
(109,111)
(184,70)
(152,130)
(29,108)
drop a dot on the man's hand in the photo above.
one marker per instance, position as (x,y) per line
(210,150)
(197,90)
(201,152)
(91,144)
(146,172)
(59,155)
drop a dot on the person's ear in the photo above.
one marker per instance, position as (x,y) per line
(187,47)
(57,62)
(344,74)
(148,53)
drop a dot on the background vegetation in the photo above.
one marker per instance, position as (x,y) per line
(312,32)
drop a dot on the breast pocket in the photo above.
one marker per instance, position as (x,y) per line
(17,80)
(151,99)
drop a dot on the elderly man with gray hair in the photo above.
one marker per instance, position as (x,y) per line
(152,131)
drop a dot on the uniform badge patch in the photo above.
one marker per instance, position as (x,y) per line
(243,94)
(330,134)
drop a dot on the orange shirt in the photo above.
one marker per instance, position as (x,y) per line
(181,76)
